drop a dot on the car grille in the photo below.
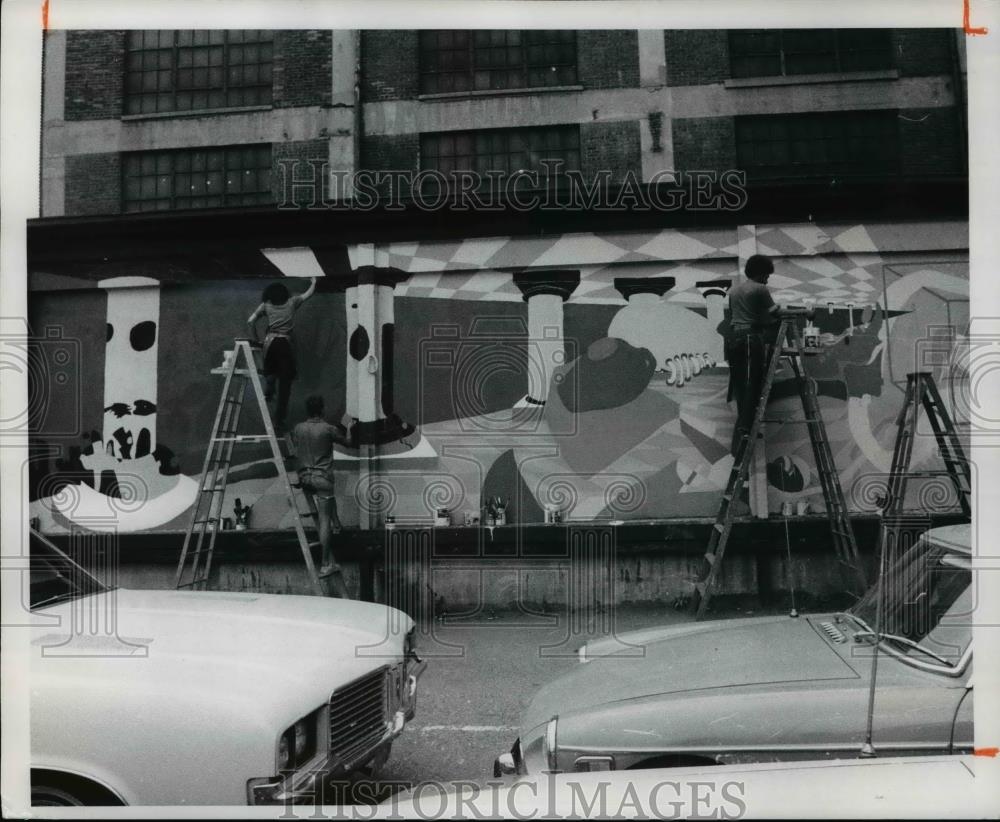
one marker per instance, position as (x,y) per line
(358,715)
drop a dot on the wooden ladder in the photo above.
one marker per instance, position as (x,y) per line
(788,344)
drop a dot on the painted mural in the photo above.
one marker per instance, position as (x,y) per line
(578,373)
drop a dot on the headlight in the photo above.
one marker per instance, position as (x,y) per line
(297,745)
(550,745)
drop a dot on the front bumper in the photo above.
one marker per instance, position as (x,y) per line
(305,785)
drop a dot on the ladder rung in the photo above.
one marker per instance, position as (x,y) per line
(719,527)
(243,438)
(710,558)
(786,422)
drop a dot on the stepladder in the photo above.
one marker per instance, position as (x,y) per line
(241,382)
(922,393)
(787,346)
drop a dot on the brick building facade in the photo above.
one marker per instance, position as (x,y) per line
(639,102)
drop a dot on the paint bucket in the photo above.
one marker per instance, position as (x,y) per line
(787,509)
(802,507)
(390,522)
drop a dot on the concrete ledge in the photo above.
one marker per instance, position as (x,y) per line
(427,571)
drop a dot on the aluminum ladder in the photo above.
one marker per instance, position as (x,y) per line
(195,564)
(788,344)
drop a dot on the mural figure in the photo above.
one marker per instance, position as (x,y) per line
(135,484)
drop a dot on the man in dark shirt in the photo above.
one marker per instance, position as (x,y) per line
(753,323)
(313,441)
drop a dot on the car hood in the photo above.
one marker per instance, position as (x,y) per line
(259,648)
(722,654)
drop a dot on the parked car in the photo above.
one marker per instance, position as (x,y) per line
(152,697)
(772,688)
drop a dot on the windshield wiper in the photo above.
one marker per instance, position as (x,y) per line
(55,598)
(906,641)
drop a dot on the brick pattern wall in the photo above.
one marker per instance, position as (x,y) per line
(607,59)
(612,146)
(390,152)
(696,57)
(929,142)
(921,52)
(390,65)
(704,143)
(95,67)
(297,177)
(303,68)
(93,184)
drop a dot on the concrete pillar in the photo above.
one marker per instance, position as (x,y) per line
(545,292)
(714,292)
(130,367)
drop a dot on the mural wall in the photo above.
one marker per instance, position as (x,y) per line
(582,373)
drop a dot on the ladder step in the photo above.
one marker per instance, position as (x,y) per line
(719,527)
(711,558)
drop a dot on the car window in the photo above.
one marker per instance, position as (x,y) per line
(919,589)
(55,577)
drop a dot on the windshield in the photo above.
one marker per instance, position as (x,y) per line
(926,583)
(55,577)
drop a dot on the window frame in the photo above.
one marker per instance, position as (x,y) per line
(834,128)
(176,202)
(562,133)
(839,50)
(133,99)
(473,54)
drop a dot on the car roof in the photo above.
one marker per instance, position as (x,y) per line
(956,538)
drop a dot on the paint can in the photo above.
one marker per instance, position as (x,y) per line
(802,507)
(442,518)
(390,522)
(787,509)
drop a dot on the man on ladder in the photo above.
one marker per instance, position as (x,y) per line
(753,323)
(313,440)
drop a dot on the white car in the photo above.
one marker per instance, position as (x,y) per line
(152,697)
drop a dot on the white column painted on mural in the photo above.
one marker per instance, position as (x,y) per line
(367,368)
(130,366)
(545,343)
(351,365)
(715,308)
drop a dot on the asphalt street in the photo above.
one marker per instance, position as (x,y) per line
(481,674)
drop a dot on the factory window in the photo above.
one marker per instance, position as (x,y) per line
(854,144)
(776,52)
(495,60)
(506,150)
(188,70)
(197,178)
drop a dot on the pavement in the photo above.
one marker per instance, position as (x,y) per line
(481,674)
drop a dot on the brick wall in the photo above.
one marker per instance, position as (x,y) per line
(95,66)
(390,152)
(704,143)
(922,51)
(93,184)
(607,59)
(696,57)
(610,146)
(302,68)
(297,176)
(389,65)
(929,142)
